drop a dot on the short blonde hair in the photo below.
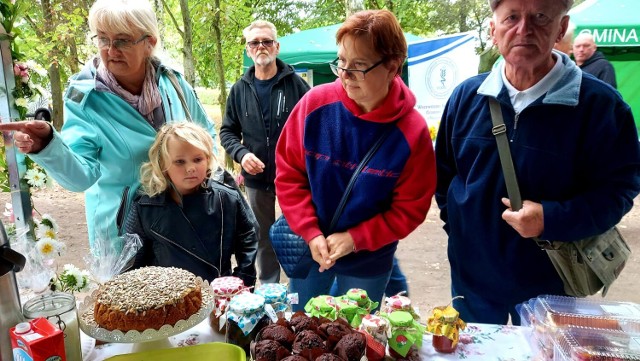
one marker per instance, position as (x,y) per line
(132,17)
(260,24)
(153,177)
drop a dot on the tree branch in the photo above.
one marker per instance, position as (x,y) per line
(173,19)
(33,25)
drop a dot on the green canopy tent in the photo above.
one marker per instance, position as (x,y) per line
(313,50)
(615,26)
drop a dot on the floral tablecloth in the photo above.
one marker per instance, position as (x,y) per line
(478,342)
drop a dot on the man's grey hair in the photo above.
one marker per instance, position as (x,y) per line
(261,24)
(567,4)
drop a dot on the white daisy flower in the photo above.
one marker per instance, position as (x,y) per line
(35,178)
(48,221)
(47,247)
(42,231)
(22,102)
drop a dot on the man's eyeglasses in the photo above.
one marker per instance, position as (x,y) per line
(353,74)
(103,42)
(266,43)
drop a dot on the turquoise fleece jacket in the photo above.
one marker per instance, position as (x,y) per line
(104,141)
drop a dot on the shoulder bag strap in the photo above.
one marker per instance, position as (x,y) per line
(174,81)
(499,130)
(352,181)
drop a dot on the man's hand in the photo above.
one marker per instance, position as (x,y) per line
(528,221)
(30,136)
(320,253)
(251,164)
(340,245)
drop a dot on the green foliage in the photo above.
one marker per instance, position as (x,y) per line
(208,96)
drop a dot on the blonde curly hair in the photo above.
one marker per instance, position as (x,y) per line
(153,174)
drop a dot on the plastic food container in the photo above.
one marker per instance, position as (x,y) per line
(529,322)
(206,352)
(585,344)
(553,313)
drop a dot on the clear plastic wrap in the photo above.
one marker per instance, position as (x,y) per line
(554,313)
(110,257)
(38,269)
(582,344)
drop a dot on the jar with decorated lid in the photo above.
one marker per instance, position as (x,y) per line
(245,318)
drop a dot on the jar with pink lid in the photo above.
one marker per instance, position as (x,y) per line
(224,289)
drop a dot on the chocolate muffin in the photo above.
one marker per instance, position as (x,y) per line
(336,329)
(270,350)
(307,343)
(351,347)
(302,322)
(329,357)
(294,358)
(278,333)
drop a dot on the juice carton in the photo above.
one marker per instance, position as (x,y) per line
(37,340)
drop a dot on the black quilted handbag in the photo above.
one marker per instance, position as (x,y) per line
(292,251)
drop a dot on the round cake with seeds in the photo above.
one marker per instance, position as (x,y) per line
(148,297)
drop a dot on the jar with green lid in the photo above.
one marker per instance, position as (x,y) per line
(275,295)
(245,318)
(322,306)
(351,311)
(362,298)
(406,334)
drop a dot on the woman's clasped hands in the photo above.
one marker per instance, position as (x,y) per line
(327,250)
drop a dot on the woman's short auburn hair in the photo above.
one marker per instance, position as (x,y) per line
(381,29)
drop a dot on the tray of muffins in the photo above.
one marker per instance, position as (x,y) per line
(146,304)
(304,337)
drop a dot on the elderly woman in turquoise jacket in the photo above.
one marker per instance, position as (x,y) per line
(113,109)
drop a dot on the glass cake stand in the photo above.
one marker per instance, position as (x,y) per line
(149,339)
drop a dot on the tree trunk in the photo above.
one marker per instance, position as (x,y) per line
(54,68)
(219,62)
(56,95)
(187,42)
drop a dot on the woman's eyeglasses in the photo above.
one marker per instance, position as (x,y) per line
(353,74)
(103,42)
(266,43)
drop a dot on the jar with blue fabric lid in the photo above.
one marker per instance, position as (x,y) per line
(245,318)
(275,296)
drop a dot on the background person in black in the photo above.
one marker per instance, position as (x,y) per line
(257,108)
(592,61)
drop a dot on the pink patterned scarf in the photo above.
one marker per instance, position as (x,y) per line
(144,103)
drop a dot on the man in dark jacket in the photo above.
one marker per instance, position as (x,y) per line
(575,153)
(592,61)
(257,108)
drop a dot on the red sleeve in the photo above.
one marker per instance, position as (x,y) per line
(411,196)
(292,184)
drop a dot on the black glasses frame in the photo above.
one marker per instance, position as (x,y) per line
(119,44)
(266,43)
(352,73)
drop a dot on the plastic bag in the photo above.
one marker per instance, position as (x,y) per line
(110,257)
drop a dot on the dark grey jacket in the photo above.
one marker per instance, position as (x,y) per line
(601,68)
(243,129)
(170,238)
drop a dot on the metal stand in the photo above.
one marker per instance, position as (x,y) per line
(11,261)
